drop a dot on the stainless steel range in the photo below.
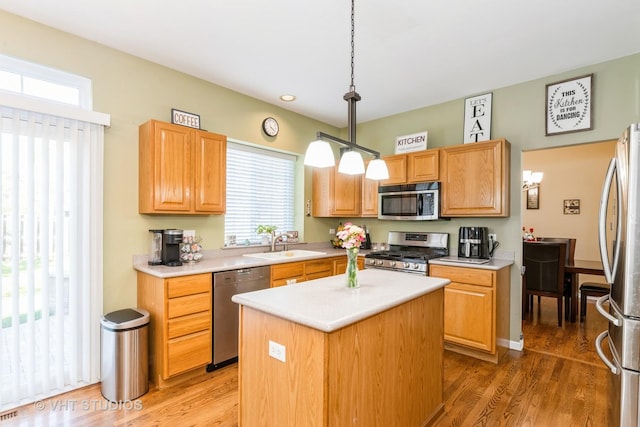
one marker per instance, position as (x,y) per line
(409,251)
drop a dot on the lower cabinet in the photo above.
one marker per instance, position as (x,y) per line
(180,326)
(476,310)
(300,271)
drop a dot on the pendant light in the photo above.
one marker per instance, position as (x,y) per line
(351,162)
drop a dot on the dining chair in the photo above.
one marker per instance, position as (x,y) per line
(543,275)
(591,289)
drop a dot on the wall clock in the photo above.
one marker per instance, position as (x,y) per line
(270,126)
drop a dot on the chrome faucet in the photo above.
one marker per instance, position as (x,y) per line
(274,239)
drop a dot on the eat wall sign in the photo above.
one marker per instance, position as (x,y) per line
(477,118)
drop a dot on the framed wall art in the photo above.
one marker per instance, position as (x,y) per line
(477,118)
(533,199)
(568,106)
(572,207)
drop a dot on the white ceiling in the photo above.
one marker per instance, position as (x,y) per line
(408,53)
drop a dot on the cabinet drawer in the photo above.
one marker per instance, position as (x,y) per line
(474,276)
(188,352)
(319,266)
(282,282)
(188,285)
(283,271)
(185,325)
(189,304)
(319,275)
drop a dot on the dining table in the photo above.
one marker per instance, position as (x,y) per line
(575,268)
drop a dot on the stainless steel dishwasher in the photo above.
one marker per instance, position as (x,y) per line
(225,312)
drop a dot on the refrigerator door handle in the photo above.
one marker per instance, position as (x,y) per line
(605,359)
(602,225)
(611,318)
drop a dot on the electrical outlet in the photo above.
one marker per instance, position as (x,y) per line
(493,237)
(277,351)
(332,231)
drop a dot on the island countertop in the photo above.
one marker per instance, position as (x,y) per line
(327,305)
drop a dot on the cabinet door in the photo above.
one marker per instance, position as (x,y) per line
(397,166)
(210,180)
(169,176)
(336,194)
(468,316)
(369,198)
(475,179)
(423,166)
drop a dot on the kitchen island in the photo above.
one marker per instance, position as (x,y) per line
(319,354)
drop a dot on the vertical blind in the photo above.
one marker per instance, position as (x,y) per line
(260,190)
(51,281)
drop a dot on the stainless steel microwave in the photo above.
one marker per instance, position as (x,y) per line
(419,201)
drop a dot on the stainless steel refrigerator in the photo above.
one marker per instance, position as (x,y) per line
(619,237)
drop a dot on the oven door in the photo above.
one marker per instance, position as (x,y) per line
(408,205)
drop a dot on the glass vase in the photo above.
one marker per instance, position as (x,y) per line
(351,274)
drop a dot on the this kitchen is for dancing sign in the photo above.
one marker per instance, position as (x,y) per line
(568,106)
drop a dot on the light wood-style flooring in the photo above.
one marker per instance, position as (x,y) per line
(558,380)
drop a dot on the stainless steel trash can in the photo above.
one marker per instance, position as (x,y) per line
(124,361)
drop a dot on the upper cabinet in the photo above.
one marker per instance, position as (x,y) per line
(418,166)
(369,207)
(181,170)
(475,179)
(336,194)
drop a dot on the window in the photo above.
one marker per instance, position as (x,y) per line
(260,190)
(51,227)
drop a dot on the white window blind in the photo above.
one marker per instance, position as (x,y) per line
(51,281)
(260,190)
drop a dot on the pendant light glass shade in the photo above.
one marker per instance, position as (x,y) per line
(319,154)
(351,163)
(377,169)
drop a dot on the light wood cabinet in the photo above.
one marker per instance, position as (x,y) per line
(475,179)
(301,271)
(181,170)
(336,194)
(369,205)
(476,310)
(410,168)
(180,324)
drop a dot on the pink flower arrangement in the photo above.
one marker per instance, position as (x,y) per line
(351,236)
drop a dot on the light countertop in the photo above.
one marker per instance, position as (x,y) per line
(327,304)
(453,260)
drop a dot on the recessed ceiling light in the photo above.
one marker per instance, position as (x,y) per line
(288,98)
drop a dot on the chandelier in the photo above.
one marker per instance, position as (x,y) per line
(319,153)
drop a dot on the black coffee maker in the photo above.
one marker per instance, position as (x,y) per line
(473,242)
(171,240)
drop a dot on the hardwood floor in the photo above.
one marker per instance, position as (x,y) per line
(557,380)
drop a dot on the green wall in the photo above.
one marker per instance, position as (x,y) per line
(133,90)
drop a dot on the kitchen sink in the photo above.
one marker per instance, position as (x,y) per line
(288,255)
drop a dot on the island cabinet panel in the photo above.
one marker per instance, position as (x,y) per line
(181,170)
(475,179)
(385,370)
(476,310)
(180,325)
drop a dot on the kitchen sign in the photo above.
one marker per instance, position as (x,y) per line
(185,119)
(568,106)
(413,142)
(477,118)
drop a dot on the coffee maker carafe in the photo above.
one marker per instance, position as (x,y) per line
(171,240)
(473,242)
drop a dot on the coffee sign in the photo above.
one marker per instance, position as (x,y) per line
(568,106)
